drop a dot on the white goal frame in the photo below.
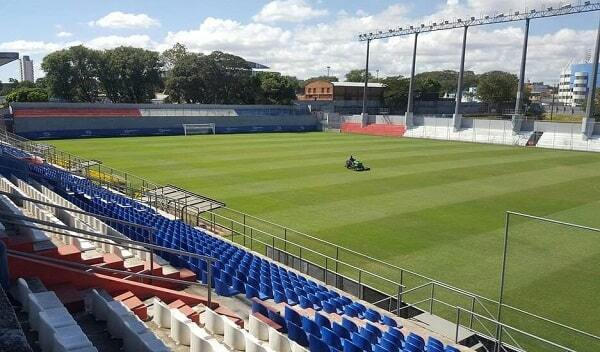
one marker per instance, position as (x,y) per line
(189,128)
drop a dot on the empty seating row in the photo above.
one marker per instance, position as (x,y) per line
(57,329)
(123,324)
(325,332)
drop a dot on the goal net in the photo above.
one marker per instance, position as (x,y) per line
(198,128)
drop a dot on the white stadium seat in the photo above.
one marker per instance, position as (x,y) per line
(134,327)
(279,342)
(162,314)
(39,302)
(22,292)
(254,345)
(297,348)
(70,338)
(235,338)
(213,322)
(199,339)
(96,302)
(117,313)
(258,329)
(180,331)
(50,321)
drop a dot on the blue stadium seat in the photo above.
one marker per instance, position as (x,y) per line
(389,321)
(331,338)
(251,292)
(296,334)
(361,342)
(372,315)
(293,316)
(340,330)
(351,347)
(310,327)
(349,325)
(317,345)
(322,320)
(275,317)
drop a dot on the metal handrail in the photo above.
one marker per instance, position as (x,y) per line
(93,268)
(118,241)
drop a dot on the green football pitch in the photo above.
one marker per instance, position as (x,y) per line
(434,207)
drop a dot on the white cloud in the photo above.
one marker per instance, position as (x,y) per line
(233,36)
(288,11)
(120,20)
(113,41)
(64,34)
(30,47)
(297,51)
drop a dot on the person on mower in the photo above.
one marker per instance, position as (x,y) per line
(350,162)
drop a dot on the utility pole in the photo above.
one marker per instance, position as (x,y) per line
(328,68)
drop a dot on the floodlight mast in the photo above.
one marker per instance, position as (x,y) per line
(526,16)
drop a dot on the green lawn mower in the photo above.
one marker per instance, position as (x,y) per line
(356,165)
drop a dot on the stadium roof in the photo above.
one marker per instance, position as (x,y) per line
(257,66)
(8,57)
(358,84)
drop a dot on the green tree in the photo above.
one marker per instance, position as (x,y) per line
(218,78)
(130,75)
(276,89)
(448,79)
(497,87)
(71,74)
(185,82)
(396,93)
(170,56)
(357,76)
(427,89)
(27,95)
(13,84)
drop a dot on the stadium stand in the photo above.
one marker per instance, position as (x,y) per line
(61,120)
(289,312)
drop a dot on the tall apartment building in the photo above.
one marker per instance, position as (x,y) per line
(27,69)
(574,84)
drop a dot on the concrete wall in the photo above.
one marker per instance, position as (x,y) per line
(556,127)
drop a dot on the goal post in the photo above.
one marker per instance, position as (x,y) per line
(198,128)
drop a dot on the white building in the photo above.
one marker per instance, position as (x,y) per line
(565,94)
(26,69)
(575,84)
(580,88)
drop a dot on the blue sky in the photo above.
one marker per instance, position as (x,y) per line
(298,37)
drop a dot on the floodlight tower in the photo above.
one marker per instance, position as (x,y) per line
(527,16)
